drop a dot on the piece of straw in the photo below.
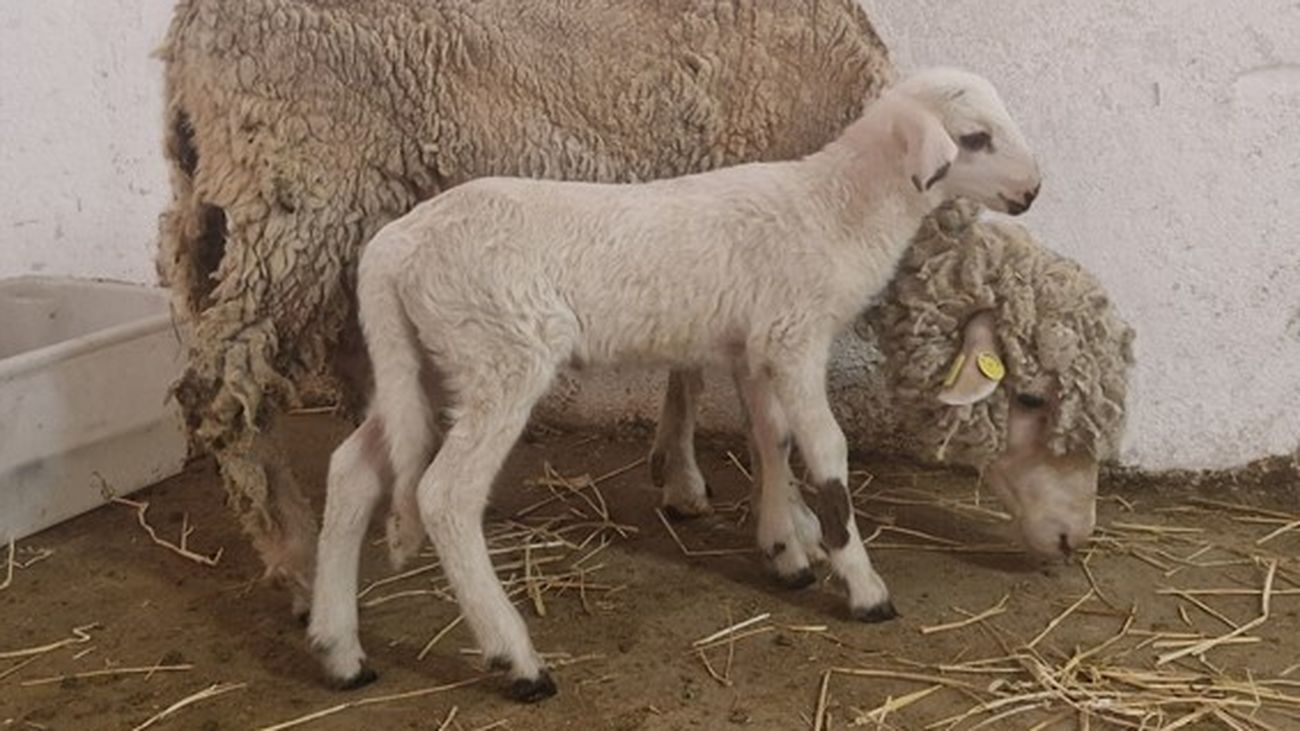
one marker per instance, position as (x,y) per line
(80,636)
(731,630)
(149,670)
(993,611)
(1203,647)
(372,700)
(186,529)
(1060,618)
(693,551)
(211,691)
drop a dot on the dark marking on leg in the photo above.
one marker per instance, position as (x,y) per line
(498,662)
(882,612)
(833,511)
(708,491)
(531,690)
(657,468)
(364,677)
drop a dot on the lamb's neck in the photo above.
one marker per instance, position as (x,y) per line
(864,179)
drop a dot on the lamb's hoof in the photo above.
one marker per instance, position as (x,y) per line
(882,612)
(679,514)
(532,690)
(365,676)
(801,579)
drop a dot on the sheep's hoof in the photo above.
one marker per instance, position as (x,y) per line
(532,690)
(882,612)
(801,579)
(365,676)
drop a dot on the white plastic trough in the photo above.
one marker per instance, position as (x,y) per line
(84,372)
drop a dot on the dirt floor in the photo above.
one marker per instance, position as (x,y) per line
(984,631)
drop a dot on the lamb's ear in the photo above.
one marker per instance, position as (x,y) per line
(977,370)
(929,148)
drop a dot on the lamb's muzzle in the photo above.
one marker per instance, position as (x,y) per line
(498,283)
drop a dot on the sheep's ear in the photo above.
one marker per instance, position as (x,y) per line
(977,370)
(930,150)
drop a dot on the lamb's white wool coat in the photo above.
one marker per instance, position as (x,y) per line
(500,282)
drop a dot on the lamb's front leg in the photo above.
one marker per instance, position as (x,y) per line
(672,459)
(801,391)
(787,533)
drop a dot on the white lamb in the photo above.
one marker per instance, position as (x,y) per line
(496,284)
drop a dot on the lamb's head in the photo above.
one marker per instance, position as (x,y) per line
(1009,358)
(960,141)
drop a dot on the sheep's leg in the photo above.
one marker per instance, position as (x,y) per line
(357,472)
(778,502)
(801,391)
(274,512)
(672,459)
(452,495)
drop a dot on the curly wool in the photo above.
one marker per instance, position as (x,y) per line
(1055,326)
(297,128)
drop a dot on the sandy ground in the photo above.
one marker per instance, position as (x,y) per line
(622,645)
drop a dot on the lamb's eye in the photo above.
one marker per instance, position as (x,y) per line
(976,142)
(1030,401)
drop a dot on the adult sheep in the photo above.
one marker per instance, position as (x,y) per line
(297,128)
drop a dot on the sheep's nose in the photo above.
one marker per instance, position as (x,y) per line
(1016,208)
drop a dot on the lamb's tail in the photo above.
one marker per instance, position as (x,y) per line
(400,402)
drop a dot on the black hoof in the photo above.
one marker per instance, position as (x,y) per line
(364,677)
(526,690)
(803,579)
(498,662)
(882,612)
(675,515)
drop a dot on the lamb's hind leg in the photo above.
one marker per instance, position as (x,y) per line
(358,471)
(801,390)
(672,459)
(453,495)
(786,541)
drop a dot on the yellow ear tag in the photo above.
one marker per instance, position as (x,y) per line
(955,370)
(991,366)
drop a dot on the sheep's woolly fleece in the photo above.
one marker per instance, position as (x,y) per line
(1055,326)
(297,128)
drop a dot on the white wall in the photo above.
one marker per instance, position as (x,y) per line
(1169,133)
(82,178)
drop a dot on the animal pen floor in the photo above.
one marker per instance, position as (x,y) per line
(102,628)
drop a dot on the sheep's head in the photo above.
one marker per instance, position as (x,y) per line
(1009,358)
(961,141)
